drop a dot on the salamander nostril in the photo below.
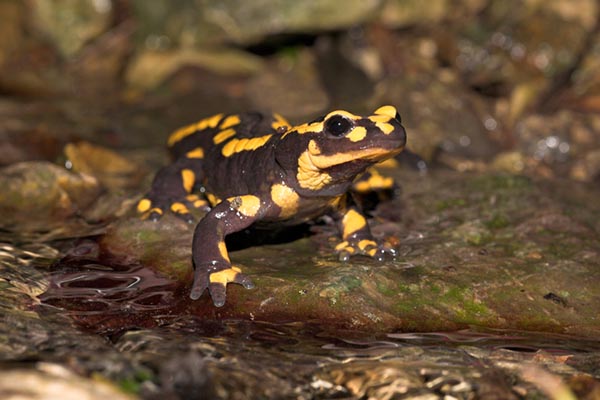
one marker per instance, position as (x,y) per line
(338,126)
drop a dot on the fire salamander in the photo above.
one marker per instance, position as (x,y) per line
(256,169)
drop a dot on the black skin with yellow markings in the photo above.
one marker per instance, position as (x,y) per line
(254,169)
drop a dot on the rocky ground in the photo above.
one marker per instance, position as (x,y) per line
(493,293)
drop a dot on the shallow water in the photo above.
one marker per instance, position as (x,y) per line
(91,292)
(149,318)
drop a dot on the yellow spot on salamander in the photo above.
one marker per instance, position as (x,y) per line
(189,178)
(247,205)
(225,276)
(196,201)
(389,111)
(244,144)
(335,202)
(363,244)
(352,223)
(385,127)
(144,205)
(379,118)
(223,251)
(341,246)
(286,198)
(180,134)
(306,128)
(179,208)
(357,134)
(279,122)
(157,210)
(184,132)
(309,176)
(212,199)
(200,203)
(230,121)
(382,122)
(389,163)
(223,135)
(198,152)
(375,182)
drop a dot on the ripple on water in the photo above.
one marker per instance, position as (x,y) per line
(111,298)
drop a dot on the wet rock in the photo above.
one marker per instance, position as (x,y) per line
(297,360)
(71,23)
(560,144)
(584,93)
(403,13)
(294,87)
(512,162)
(460,230)
(520,51)
(348,69)
(26,61)
(143,240)
(440,115)
(587,169)
(188,378)
(111,169)
(150,68)
(12,14)
(213,22)
(47,380)
(41,195)
(21,139)
(97,70)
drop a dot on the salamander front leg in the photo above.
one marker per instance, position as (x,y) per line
(213,269)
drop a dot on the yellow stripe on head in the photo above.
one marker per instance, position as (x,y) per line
(357,134)
(388,110)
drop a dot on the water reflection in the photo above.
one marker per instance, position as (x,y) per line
(150,317)
(112,299)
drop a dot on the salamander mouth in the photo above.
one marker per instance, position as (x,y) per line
(373,154)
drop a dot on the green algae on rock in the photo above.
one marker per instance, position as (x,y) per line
(489,260)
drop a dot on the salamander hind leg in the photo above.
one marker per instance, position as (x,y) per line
(172,192)
(356,235)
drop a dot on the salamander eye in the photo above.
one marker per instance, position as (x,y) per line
(338,126)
